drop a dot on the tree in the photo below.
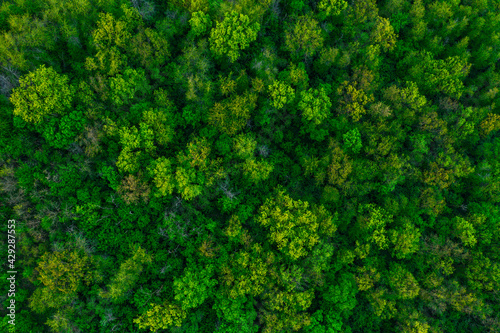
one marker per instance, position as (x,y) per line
(200,23)
(304,37)
(331,8)
(383,34)
(133,188)
(256,171)
(281,94)
(110,32)
(406,240)
(232,114)
(285,310)
(315,105)
(150,48)
(109,37)
(352,141)
(124,87)
(489,124)
(293,227)
(403,282)
(194,287)
(465,231)
(244,146)
(42,93)
(161,317)
(352,100)
(61,274)
(127,275)
(439,76)
(233,34)
(239,314)
(339,168)
(366,277)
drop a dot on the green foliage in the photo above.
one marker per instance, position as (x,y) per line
(227,142)
(440,76)
(161,317)
(403,282)
(383,34)
(405,239)
(42,93)
(353,100)
(244,146)
(126,276)
(329,8)
(343,294)
(256,171)
(61,274)
(232,114)
(123,87)
(293,227)
(239,314)
(233,34)
(200,23)
(304,37)
(162,173)
(281,94)
(315,105)
(352,141)
(194,287)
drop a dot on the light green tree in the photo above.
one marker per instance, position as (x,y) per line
(61,274)
(383,34)
(161,317)
(281,94)
(304,37)
(244,146)
(329,8)
(127,275)
(293,225)
(406,240)
(256,171)
(162,172)
(233,34)
(465,231)
(124,87)
(42,93)
(403,282)
(194,286)
(315,106)
(231,114)
(200,23)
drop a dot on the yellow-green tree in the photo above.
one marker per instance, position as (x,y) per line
(328,8)
(231,114)
(403,282)
(42,93)
(293,225)
(61,274)
(383,34)
(108,38)
(353,101)
(304,37)
(281,94)
(233,34)
(127,275)
(161,171)
(160,317)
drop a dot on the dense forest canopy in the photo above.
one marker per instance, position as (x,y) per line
(247,166)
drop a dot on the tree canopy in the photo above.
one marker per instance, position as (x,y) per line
(250,166)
